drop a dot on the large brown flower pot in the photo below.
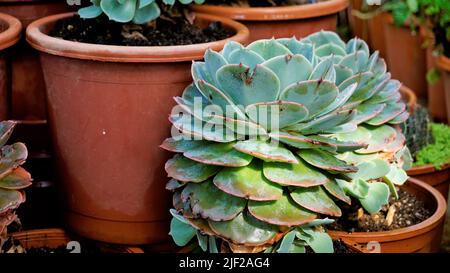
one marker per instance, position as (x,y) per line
(10,29)
(443,64)
(107,109)
(406,57)
(439,179)
(54,238)
(423,237)
(281,22)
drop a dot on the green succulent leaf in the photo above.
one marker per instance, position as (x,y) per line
(18,179)
(319,241)
(276,114)
(335,190)
(287,242)
(181,232)
(10,200)
(220,154)
(186,170)
(11,157)
(269,152)
(6,129)
(316,199)
(325,160)
(378,195)
(269,48)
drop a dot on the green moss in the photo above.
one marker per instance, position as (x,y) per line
(437,153)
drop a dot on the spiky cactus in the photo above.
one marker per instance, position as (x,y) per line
(13,178)
(288,131)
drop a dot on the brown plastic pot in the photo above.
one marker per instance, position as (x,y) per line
(443,64)
(281,22)
(107,109)
(423,237)
(10,29)
(54,238)
(405,56)
(439,179)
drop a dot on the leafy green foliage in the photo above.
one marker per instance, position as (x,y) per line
(437,153)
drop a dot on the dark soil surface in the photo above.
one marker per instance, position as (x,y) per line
(339,247)
(262,3)
(403,212)
(164,31)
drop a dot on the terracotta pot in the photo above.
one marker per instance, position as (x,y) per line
(377,40)
(107,109)
(10,29)
(443,64)
(439,179)
(28,86)
(423,237)
(406,57)
(54,238)
(408,96)
(281,22)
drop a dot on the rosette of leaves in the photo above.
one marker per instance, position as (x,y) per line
(124,11)
(265,179)
(13,178)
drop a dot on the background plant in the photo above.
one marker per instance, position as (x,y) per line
(13,178)
(338,142)
(124,11)
(436,153)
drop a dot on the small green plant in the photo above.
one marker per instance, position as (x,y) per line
(417,130)
(436,153)
(13,178)
(124,11)
(270,140)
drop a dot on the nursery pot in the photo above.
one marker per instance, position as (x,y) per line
(405,56)
(443,64)
(108,109)
(54,238)
(408,96)
(10,29)
(281,22)
(423,237)
(439,179)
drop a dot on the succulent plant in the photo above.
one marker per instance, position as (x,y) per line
(288,130)
(417,129)
(138,11)
(13,178)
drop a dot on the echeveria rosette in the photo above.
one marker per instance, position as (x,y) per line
(13,178)
(337,137)
(124,11)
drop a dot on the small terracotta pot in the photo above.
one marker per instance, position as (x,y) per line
(409,97)
(443,64)
(10,29)
(423,237)
(377,40)
(54,238)
(439,179)
(406,57)
(281,22)
(107,109)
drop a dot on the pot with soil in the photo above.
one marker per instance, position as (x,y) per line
(412,223)
(46,241)
(10,29)
(267,19)
(430,150)
(109,87)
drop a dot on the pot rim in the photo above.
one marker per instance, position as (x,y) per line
(53,234)
(410,95)
(443,63)
(135,54)
(12,34)
(426,169)
(275,13)
(407,232)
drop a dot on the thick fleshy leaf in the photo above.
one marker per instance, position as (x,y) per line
(186,170)
(213,62)
(277,114)
(325,37)
(315,95)
(6,129)
(356,61)
(244,85)
(220,154)
(341,98)
(173,185)
(289,69)
(229,48)
(10,200)
(389,112)
(365,112)
(209,202)
(330,49)
(287,242)
(181,232)
(246,57)
(199,72)
(282,212)
(297,47)
(396,175)
(304,142)
(360,79)
(248,182)
(361,135)
(315,199)
(11,157)
(400,118)
(180,146)
(319,241)
(146,13)
(300,174)
(397,144)
(356,44)
(119,11)
(342,73)
(381,137)
(325,160)
(366,90)
(387,93)
(324,123)
(268,48)
(270,152)
(357,188)
(240,127)
(16,180)
(377,197)
(244,229)
(334,189)
(339,146)
(369,170)
(324,70)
